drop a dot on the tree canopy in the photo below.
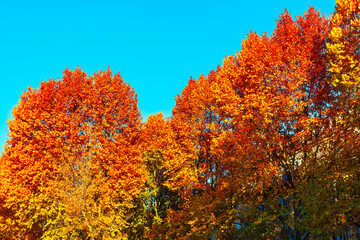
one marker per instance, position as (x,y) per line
(265,146)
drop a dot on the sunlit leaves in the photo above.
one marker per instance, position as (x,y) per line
(73,158)
(266,146)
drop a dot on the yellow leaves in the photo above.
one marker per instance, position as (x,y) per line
(336,34)
(343,47)
(192,222)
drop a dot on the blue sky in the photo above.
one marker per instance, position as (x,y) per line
(156,45)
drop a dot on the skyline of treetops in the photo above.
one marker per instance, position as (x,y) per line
(40,39)
(265,146)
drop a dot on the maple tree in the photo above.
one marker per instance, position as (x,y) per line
(71,164)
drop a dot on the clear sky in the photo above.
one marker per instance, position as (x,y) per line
(156,45)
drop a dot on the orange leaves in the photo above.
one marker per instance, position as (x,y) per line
(160,143)
(255,120)
(73,149)
(256,148)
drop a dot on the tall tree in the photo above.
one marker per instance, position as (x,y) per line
(252,126)
(72,159)
(201,121)
(285,102)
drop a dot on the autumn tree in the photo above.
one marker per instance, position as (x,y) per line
(169,176)
(252,126)
(201,122)
(71,165)
(286,100)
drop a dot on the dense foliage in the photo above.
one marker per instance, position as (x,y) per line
(267,146)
